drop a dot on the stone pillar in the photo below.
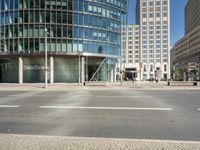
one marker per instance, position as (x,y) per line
(51,70)
(20,69)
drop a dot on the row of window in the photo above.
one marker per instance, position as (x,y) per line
(57,45)
(65,32)
(157,51)
(24,4)
(157,56)
(157,60)
(157,3)
(75,5)
(151,15)
(59,18)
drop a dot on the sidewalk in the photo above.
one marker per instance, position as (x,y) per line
(31,142)
(93,86)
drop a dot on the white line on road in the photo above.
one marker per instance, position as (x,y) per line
(9,106)
(25,95)
(105,108)
(107,96)
(199,109)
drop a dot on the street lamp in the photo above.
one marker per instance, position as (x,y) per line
(46,67)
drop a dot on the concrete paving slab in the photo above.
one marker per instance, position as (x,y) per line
(32,142)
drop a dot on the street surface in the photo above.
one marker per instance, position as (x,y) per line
(123,113)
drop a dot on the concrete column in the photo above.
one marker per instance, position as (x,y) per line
(20,65)
(82,70)
(51,70)
(86,69)
(112,74)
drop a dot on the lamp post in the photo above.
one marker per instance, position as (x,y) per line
(79,67)
(46,67)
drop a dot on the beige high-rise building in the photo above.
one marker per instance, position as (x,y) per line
(132,51)
(153,16)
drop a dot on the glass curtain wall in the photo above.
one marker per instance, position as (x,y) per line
(74,25)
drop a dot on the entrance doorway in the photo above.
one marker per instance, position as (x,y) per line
(91,71)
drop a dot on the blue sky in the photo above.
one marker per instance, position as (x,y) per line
(177,18)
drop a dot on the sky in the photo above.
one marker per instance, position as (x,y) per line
(176,18)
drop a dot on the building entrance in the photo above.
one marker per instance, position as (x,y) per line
(8,71)
(91,71)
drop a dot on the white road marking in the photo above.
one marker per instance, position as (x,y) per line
(9,106)
(30,95)
(199,109)
(105,108)
(107,96)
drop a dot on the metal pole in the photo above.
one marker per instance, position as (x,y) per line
(83,71)
(46,57)
(79,69)
(108,71)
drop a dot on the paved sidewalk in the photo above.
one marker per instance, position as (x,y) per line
(95,86)
(30,142)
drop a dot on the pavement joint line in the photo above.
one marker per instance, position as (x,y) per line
(9,106)
(106,108)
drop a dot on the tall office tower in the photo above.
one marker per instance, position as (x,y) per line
(80,37)
(131,53)
(154,21)
(192,17)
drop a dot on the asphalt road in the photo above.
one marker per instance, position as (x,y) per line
(162,115)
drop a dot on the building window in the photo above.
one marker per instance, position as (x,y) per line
(145,68)
(165,68)
(151,68)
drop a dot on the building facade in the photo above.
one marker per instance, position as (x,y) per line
(154,21)
(192,17)
(77,30)
(187,55)
(131,54)
(187,49)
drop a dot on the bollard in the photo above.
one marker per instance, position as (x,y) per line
(195,83)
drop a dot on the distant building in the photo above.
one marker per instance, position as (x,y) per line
(153,16)
(192,15)
(187,49)
(172,60)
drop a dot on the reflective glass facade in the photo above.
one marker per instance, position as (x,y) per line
(74,26)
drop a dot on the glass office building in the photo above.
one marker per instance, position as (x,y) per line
(76,28)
